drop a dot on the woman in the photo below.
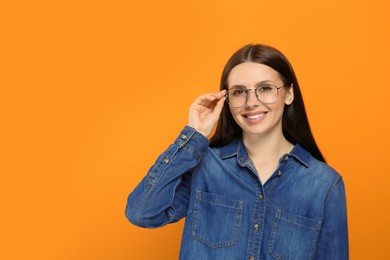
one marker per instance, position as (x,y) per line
(260,189)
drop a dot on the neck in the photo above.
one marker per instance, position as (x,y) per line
(268,147)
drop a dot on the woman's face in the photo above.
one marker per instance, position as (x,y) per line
(256,118)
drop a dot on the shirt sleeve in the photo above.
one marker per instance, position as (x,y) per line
(163,194)
(333,238)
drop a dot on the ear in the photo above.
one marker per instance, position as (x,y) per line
(289,95)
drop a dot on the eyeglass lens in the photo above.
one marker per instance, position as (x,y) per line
(266,94)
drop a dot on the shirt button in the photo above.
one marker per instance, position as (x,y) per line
(251,258)
(279,172)
(261,197)
(184,136)
(286,158)
(166,160)
(256,226)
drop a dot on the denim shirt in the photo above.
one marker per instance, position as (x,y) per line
(299,213)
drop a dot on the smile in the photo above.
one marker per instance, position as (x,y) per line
(255,116)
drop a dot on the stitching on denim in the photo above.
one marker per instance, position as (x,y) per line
(257,207)
(238,206)
(274,230)
(235,229)
(234,237)
(298,220)
(333,189)
(275,226)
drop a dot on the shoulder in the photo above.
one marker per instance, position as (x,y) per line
(315,178)
(324,170)
(313,167)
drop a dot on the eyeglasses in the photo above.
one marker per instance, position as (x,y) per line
(266,93)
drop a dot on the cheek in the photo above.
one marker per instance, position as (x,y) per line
(278,107)
(235,113)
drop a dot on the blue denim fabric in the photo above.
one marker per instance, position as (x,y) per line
(299,213)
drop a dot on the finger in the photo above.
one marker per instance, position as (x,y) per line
(215,96)
(219,106)
(208,100)
(220,94)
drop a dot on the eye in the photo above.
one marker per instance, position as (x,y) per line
(238,92)
(265,88)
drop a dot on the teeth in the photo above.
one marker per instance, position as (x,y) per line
(255,116)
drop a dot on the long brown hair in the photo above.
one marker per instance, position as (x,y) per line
(295,124)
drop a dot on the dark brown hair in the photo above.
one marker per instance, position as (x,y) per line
(295,124)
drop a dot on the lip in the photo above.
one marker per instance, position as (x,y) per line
(255,117)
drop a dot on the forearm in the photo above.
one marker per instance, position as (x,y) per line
(163,194)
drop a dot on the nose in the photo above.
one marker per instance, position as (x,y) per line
(252,98)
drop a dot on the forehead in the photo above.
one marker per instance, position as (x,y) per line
(250,73)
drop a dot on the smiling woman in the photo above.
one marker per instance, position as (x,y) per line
(260,188)
(260,120)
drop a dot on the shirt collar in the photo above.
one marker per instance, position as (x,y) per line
(300,154)
(237,148)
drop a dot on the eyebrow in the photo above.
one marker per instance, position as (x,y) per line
(257,84)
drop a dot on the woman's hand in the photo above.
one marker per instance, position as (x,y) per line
(205,111)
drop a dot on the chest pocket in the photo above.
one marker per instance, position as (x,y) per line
(293,237)
(216,219)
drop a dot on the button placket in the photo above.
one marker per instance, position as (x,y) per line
(166,160)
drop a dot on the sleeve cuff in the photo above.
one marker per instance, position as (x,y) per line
(190,137)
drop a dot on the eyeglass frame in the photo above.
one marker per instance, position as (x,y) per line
(255,90)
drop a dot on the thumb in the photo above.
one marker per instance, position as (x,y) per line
(218,107)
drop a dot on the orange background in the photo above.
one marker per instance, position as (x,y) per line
(93,91)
